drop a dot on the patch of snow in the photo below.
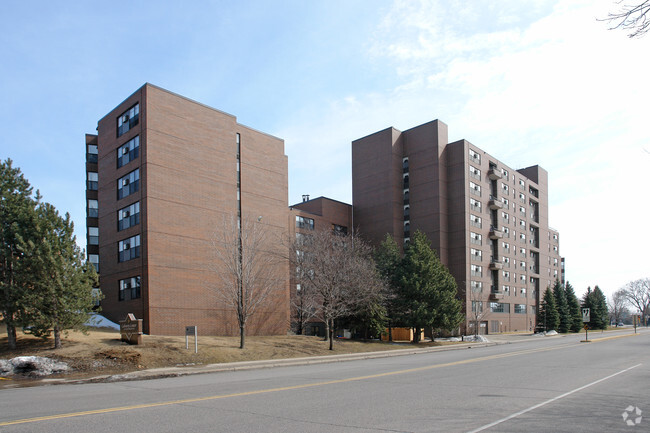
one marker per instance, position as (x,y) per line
(551,332)
(31,366)
(99,321)
(476,338)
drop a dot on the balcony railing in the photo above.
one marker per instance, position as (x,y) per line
(494,174)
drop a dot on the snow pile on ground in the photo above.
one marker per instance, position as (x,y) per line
(476,338)
(544,334)
(99,321)
(31,366)
(466,338)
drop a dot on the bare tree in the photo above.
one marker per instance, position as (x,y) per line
(617,305)
(247,269)
(479,307)
(305,306)
(337,275)
(631,17)
(638,295)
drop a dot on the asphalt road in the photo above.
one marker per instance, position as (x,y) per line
(554,384)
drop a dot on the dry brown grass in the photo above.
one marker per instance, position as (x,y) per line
(101,351)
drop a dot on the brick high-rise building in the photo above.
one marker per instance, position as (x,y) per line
(163,174)
(487,221)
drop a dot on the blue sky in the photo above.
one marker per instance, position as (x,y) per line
(539,82)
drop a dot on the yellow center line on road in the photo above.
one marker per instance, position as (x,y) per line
(295,387)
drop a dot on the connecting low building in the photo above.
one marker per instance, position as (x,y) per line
(166,174)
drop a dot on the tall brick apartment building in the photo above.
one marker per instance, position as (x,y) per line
(163,174)
(488,222)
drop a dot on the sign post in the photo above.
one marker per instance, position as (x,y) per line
(192,330)
(586,318)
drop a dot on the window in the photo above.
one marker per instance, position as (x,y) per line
(523,292)
(304,223)
(522,223)
(477,307)
(522,198)
(506,275)
(93,235)
(505,216)
(128,184)
(506,231)
(522,183)
(505,173)
(475,221)
(476,270)
(129,249)
(406,196)
(91,153)
(407,213)
(128,216)
(128,119)
(520,309)
(405,165)
(474,156)
(475,238)
(475,172)
(522,210)
(339,230)
(477,286)
(499,307)
(475,189)
(93,209)
(475,204)
(476,254)
(506,202)
(405,181)
(128,151)
(506,290)
(522,236)
(130,286)
(506,246)
(407,230)
(94,259)
(506,261)
(92,181)
(522,251)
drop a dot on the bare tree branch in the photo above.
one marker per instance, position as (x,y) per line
(631,17)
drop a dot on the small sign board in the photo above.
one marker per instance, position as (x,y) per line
(585,315)
(131,329)
(189,331)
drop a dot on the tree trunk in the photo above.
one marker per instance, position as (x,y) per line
(331,335)
(57,338)
(327,330)
(242,334)
(11,336)
(416,335)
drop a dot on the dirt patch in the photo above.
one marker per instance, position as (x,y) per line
(101,352)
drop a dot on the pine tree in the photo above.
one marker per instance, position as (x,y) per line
(16,213)
(574,308)
(597,303)
(388,259)
(548,317)
(562,307)
(62,284)
(427,291)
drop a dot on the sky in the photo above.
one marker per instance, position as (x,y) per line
(537,82)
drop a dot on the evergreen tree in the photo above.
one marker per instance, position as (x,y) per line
(548,317)
(596,301)
(562,307)
(62,284)
(388,260)
(574,308)
(427,294)
(16,214)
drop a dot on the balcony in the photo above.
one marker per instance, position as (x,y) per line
(495,203)
(496,295)
(495,264)
(495,233)
(494,174)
